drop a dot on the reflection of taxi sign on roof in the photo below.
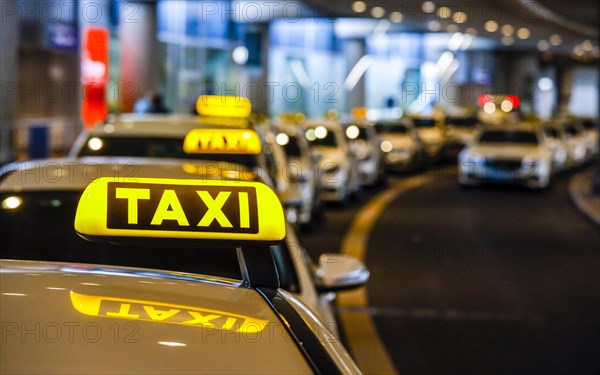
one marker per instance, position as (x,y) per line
(180,209)
(222,141)
(223,106)
(160,312)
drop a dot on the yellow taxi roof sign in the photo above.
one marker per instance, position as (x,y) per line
(359,112)
(223,106)
(234,211)
(222,141)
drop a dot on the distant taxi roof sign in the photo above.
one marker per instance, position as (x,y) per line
(222,141)
(223,106)
(235,211)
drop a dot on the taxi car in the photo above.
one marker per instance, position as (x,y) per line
(224,132)
(556,140)
(39,201)
(302,199)
(366,145)
(509,154)
(591,131)
(401,145)
(136,320)
(340,177)
(577,142)
(432,136)
(459,132)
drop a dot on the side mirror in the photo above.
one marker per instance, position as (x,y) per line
(339,272)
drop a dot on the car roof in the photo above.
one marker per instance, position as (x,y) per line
(112,320)
(72,174)
(175,126)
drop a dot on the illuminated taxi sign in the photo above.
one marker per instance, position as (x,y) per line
(359,112)
(180,209)
(223,106)
(159,312)
(222,141)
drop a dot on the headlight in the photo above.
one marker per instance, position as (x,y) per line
(386,146)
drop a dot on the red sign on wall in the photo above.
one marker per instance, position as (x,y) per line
(94,75)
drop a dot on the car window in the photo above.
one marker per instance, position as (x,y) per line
(384,128)
(551,132)
(328,140)
(42,229)
(572,130)
(424,123)
(508,136)
(292,148)
(462,122)
(153,147)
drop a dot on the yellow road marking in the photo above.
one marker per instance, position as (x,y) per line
(363,339)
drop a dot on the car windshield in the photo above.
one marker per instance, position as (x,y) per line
(154,147)
(292,148)
(362,133)
(572,130)
(588,124)
(384,128)
(424,122)
(509,136)
(42,229)
(461,122)
(551,132)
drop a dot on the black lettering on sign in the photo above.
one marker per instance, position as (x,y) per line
(191,208)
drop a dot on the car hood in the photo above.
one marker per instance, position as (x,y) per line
(507,151)
(109,320)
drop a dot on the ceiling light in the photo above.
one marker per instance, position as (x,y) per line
(507,30)
(471,31)
(491,26)
(452,28)
(359,6)
(444,12)
(555,39)
(587,46)
(460,17)
(428,7)
(378,12)
(523,33)
(543,45)
(396,17)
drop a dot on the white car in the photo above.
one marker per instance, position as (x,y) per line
(431,134)
(459,132)
(366,146)
(303,197)
(557,142)
(157,319)
(401,145)
(509,154)
(338,166)
(39,200)
(577,142)
(590,129)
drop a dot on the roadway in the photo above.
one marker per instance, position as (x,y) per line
(488,280)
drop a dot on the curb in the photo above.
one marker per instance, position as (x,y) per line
(580,192)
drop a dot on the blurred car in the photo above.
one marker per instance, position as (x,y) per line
(508,154)
(402,147)
(577,142)
(366,146)
(339,177)
(459,132)
(557,142)
(181,322)
(39,202)
(590,129)
(432,136)
(303,197)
